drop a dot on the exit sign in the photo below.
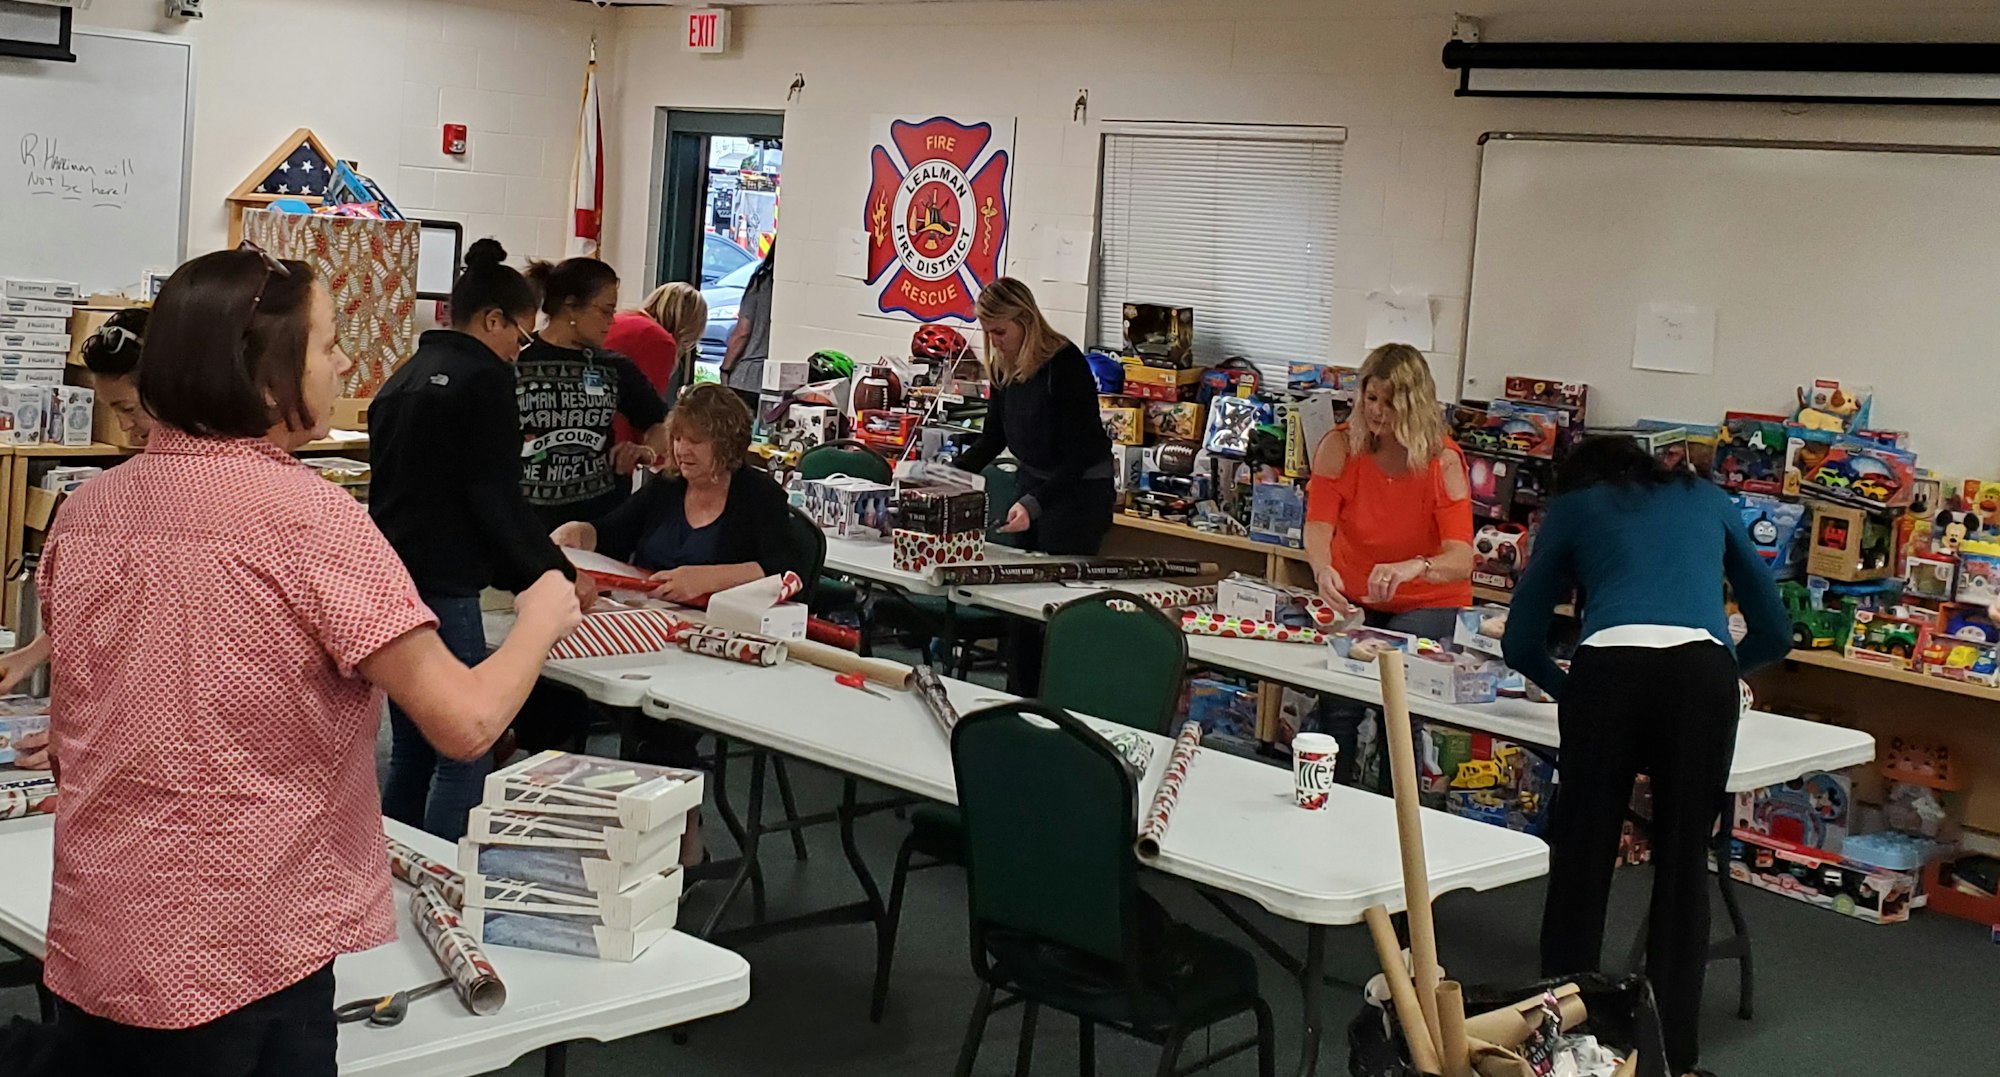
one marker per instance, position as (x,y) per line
(707,30)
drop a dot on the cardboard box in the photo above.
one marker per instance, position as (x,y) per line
(806,426)
(1778,529)
(571,869)
(1128,467)
(35,342)
(1849,543)
(14,323)
(1123,424)
(13,728)
(1811,811)
(24,413)
(618,908)
(1160,335)
(848,507)
(1278,514)
(784,375)
(33,308)
(638,795)
(1137,373)
(351,413)
(596,835)
(941,513)
(44,378)
(1251,598)
(1354,652)
(576,936)
(1448,678)
(24,359)
(1492,481)
(919,551)
(1181,420)
(72,418)
(1479,629)
(1499,554)
(48,291)
(1978,573)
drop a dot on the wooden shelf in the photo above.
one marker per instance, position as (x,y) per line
(1183,531)
(64,452)
(332,445)
(1838,661)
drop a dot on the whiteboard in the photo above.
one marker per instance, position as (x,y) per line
(1879,265)
(94,160)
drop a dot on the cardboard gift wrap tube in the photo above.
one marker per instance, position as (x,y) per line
(1402,991)
(1410,834)
(930,690)
(880,670)
(1160,815)
(421,871)
(472,975)
(1451,1016)
(1509,1025)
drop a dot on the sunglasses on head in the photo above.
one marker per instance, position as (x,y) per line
(272,268)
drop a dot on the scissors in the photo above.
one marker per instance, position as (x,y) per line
(389,1010)
(857,681)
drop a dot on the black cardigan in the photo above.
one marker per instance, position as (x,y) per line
(1050,422)
(445,485)
(756,523)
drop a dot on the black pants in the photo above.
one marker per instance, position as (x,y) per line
(290,1033)
(1074,524)
(1669,713)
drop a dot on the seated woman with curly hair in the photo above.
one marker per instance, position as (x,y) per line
(710,523)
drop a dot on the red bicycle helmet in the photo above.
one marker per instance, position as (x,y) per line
(938,343)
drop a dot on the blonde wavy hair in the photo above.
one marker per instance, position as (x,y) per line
(1008,300)
(1412,395)
(680,309)
(714,414)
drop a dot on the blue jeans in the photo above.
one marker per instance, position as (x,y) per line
(426,789)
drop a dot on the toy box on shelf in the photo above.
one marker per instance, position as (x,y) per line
(1278,514)
(1230,422)
(1884,639)
(1777,528)
(1345,382)
(1961,621)
(1163,384)
(1856,471)
(1355,651)
(1479,776)
(1480,629)
(806,426)
(1978,573)
(1527,429)
(1667,444)
(1852,544)
(847,507)
(1124,421)
(1971,661)
(889,431)
(1929,577)
(1568,399)
(1815,626)
(1833,406)
(1492,480)
(1227,713)
(1454,678)
(1750,452)
(1161,336)
(1176,419)
(1499,553)
(1811,810)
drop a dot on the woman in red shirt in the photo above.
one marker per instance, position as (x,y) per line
(657,337)
(1389,516)
(224,623)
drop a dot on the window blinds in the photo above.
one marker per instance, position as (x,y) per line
(1237,222)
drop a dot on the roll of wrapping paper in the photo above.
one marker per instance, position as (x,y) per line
(1160,815)
(880,670)
(421,871)
(1196,623)
(1402,991)
(930,690)
(1451,1018)
(1410,836)
(27,796)
(457,953)
(1100,568)
(741,647)
(1166,596)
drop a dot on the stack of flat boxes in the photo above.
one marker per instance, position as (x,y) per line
(35,343)
(577,855)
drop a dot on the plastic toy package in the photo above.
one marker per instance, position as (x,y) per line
(1856,471)
(1833,406)
(1750,453)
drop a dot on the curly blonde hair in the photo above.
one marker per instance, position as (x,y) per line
(1008,300)
(1412,394)
(716,415)
(680,309)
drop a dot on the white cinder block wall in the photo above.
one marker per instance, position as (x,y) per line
(375,79)
(1370,65)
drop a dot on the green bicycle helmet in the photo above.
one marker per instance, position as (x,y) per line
(827,365)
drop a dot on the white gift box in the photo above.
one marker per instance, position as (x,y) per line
(635,795)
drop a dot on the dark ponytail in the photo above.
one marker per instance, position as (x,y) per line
(1616,459)
(573,282)
(765,268)
(113,351)
(487,283)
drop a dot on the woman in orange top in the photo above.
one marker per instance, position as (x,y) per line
(1389,517)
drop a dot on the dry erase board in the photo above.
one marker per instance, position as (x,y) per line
(1876,264)
(94,160)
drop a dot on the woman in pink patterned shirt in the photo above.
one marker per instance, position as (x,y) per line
(224,625)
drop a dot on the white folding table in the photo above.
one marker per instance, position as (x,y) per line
(1770,748)
(552,999)
(1235,829)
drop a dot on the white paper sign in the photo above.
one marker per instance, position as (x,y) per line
(1399,318)
(1678,338)
(852,258)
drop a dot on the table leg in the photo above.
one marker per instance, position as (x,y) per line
(748,834)
(1311,983)
(875,911)
(555,1060)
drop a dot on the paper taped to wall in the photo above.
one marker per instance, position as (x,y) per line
(1678,338)
(1399,318)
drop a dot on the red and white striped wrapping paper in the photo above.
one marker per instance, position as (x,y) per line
(736,646)
(1210,623)
(457,953)
(27,796)
(1179,760)
(421,871)
(616,632)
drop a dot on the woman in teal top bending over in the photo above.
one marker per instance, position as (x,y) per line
(1652,690)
